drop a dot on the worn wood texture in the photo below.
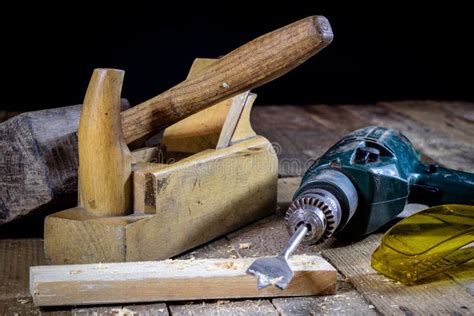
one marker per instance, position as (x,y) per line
(105,183)
(201,198)
(195,199)
(442,296)
(125,310)
(441,136)
(16,256)
(304,133)
(225,307)
(214,200)
(211,128)
(31,144)
(249,66)
(253,64)
(39,162)
(347,301)
(170,280)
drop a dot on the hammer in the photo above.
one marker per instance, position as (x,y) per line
(39,162)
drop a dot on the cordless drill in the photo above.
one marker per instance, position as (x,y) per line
(365,180)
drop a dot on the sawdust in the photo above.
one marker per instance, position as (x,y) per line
(123,312)
(229,265)
(304,261)
(245,245)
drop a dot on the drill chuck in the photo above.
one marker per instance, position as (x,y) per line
(325,202)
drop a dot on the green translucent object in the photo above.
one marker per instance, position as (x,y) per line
(427,243)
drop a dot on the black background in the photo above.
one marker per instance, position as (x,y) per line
(389,51)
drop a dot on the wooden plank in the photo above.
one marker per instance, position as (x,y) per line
(442,296)
(336,120)
(274,123)
(18,306)
(347,301)
(16,256)
(170,280)
(339,120)
(286,189)
(436,144)
(452,118)
(127,310)
(225,307)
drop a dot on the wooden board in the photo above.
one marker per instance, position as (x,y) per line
(441,296)
(16,256)
(304,133)
(170,280)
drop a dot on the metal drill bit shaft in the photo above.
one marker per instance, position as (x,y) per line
(276,270)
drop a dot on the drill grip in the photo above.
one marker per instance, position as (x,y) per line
(439,185)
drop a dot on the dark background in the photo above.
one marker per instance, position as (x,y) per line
(379,53)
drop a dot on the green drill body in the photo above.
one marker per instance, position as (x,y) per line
(386,172)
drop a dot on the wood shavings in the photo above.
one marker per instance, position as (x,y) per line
(230,265)
(245,245)
(123,312)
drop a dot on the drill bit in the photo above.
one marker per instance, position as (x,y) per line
(276,270)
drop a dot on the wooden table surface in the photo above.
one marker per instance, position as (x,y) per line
(442,131)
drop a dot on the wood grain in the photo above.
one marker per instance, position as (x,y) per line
(105,162)
(193,200)
(249,66)
(196,199)
(259,61)
(210,127)
(39,162)
(307,136)
(120,310)
(232,119)
(201,198)
(170,280)
(16,256)
(390,298)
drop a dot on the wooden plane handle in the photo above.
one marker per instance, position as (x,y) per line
(249,66)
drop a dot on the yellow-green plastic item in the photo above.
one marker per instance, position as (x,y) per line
(427,243)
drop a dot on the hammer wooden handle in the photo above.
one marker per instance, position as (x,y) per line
(249,66)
